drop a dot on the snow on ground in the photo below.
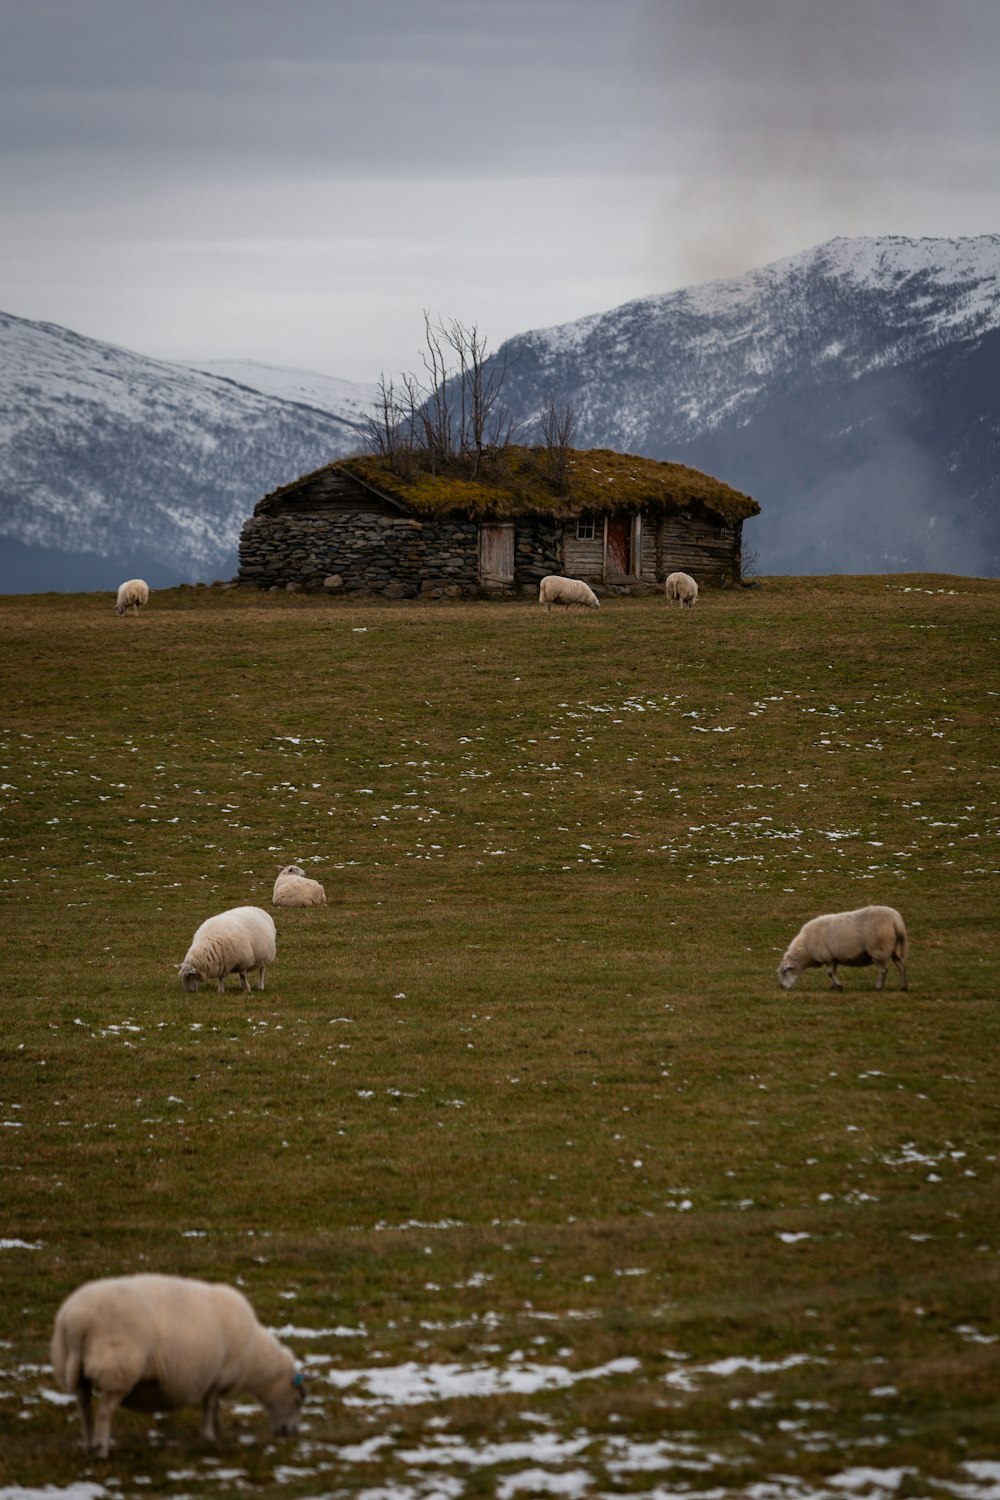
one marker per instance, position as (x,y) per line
(82,1491)
(437,1464)
(409,1384)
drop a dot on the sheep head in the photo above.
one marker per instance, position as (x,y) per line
(284,1405)
(190,977)
(788,972)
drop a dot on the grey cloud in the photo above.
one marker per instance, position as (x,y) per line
(562,155)
(349,88)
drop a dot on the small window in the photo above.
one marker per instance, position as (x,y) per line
(585,529)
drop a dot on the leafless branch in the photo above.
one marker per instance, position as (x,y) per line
(556,425)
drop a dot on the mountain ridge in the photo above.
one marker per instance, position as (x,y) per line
(106,452)
(349,400)
(853,389)
(762,380)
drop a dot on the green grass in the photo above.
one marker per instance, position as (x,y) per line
(526,1091)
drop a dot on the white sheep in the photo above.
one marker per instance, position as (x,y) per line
(870,935)
(233,942)
(132,596)
(567,591)
(157,1343)
(294,888)
(681,587)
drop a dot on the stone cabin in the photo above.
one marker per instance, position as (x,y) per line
(621,522)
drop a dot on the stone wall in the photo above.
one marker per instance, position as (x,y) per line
(537,552)
(397,557)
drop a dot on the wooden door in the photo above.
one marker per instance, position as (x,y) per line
(496,552)
(619,554)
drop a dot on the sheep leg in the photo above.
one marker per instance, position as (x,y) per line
(901,966)
(831,969)
(83,1394)
(244,982)
(260,973)
(107,1404)
(210,1412)
(222,986)
(883,969)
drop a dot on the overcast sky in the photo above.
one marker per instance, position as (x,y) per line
(296,180)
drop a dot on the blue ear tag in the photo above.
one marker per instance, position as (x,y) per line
(298,1378)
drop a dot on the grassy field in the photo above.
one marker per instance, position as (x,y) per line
(550,1187)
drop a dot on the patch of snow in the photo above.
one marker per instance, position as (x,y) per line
(540,1482)
(883,1479)
(81,1490)
(410,1384)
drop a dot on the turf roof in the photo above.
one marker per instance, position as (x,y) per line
(598,480)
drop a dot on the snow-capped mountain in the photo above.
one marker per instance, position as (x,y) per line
(350,400)
(112,464)
(854,390)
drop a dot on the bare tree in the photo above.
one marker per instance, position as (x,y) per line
(483,419)
(749,560)
(556,425)
(436,409)
(412,403)
(453,414)
(381,425)
(392,428)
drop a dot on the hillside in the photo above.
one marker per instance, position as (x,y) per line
(111,463)
(522,1151)
(852,389)
(348,400)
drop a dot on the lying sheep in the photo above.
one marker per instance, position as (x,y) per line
(870,935)
(231,943)
(294,888)
(157,1343)
(132,596)
(682,589)
(567,591)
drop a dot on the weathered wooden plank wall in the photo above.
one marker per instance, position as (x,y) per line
(583,559)
(706,549)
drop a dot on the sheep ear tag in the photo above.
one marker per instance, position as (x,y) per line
(298,1379)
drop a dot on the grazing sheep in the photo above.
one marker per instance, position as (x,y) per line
(681,587)
(233,942)
(132,596)
(157,1343)
(870,935)
(567,591)
(294,888)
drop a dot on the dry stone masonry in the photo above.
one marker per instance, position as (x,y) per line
(394,556)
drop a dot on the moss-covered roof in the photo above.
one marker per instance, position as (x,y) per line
(598,480)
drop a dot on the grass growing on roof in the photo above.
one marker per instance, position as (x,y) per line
(522,1142)
(598,480)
